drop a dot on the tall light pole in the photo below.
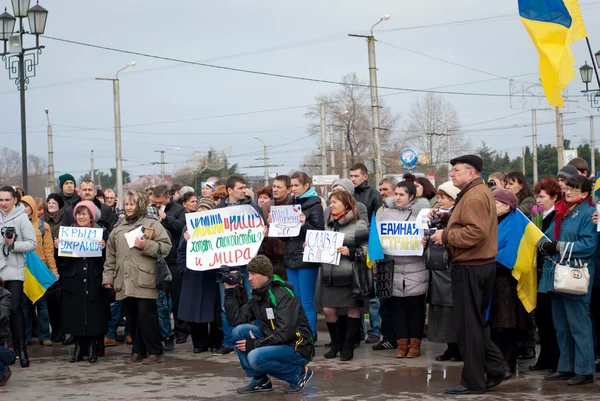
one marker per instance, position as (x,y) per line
(117,111)
(20,61)
(51,181)
(592,142)
(266,160)
(344,155)
(374,96)
(323,140)
(162,161)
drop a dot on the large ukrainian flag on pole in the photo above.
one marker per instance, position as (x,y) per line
(553,26)
(517,245)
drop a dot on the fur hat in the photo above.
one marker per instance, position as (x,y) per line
(505,196)
(57,198)
(261,265)
(64,178)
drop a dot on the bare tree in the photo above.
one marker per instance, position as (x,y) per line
(432,120)
(11,172)
(348,111)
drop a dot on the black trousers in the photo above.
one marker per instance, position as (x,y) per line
(507,341)
(549,351)
(387,320)
(408,316)
(471,291)
(54,311)
(181,327)
(142,316)
(206,335)
(17,319)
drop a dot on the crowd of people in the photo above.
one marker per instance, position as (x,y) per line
(473,306)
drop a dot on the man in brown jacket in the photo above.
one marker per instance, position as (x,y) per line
(272,247)
(471,237)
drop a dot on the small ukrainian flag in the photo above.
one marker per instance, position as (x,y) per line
(38,278)
(374,249)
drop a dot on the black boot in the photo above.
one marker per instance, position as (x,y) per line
(100,346)
(336,343)
(93,352)
(352,337)
(21,351)
(69,340)
(77,353)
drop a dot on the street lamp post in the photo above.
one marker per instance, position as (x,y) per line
(266,160)
(592,141)
(374,96)
(162,161)
(117,112)
(21,61)
(51,182)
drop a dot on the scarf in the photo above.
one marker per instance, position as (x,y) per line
(563,210)
(308,194)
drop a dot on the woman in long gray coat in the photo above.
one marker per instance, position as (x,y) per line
(336,281)
(411,279)
(199,302)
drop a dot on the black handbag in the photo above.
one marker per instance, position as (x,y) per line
(362,278)
(163,274)
(384,282)
(436,257)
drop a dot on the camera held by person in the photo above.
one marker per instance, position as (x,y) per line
(281,345)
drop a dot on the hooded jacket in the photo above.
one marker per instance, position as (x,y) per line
(290,325)
(11,266)
(369,196)
(45,244)
(411,278)
(5,299)
(294,249)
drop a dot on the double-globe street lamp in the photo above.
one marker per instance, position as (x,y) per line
(21,61)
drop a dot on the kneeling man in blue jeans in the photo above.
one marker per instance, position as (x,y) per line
(281,345)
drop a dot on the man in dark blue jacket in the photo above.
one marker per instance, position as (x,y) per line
(281,345)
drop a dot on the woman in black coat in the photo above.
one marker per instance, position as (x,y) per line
(7,355)
(84,300)
(547,193)
(199,302)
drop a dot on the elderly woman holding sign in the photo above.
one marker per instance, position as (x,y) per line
(411,278)
(335,285)
(85,301)
(132,249)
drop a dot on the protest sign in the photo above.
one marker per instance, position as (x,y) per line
(79,242)
(400,238)
(285,221)
(321,247)
(423,219)
(229,236)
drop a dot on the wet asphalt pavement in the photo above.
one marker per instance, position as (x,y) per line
(372,375)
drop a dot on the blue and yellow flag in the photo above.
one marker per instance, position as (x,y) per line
(517,245)
(553,26)
(597,185)
(38,278)
(374,250)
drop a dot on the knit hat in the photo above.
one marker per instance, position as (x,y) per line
(205,202)
(449,189)
(567,172)
(57,198)
(505,196)
(185,190)
(261,265)
(64,178)
(344,183)
(91,207)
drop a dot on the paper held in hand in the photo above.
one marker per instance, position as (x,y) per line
(132,235)
(80,242)
(321,247)
(285,221)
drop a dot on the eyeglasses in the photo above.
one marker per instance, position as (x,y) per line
(572,190)
(456,170)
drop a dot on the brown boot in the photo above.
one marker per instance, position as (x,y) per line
(415,348)
(402,348)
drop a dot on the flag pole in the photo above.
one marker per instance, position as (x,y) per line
(587,40)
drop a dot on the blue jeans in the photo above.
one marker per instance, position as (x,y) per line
(574,333)
(305,283)
(116,311)
(279,361)
(164,306)
(374,320)
(43,317)
(6,357)
(227,330)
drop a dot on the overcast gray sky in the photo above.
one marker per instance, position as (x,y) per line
(167,105)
